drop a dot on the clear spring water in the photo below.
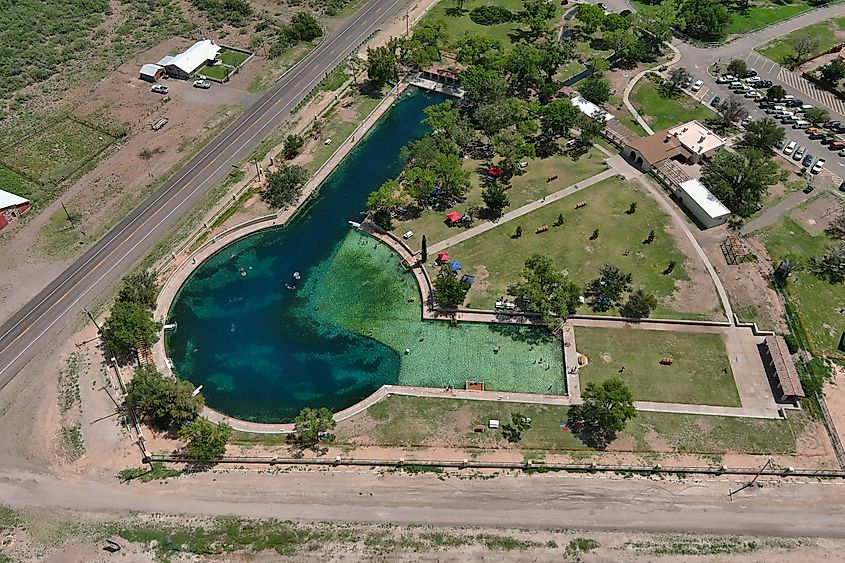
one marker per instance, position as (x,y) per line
(262,351)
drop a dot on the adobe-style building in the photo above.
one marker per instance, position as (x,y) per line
(689,143)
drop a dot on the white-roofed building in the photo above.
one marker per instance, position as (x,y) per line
(704,205)
(151,72)
(186,63)
(11,206)
(590,109)
(689,143)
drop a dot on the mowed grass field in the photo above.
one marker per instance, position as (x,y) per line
(764,13)
(231,57)
(416,421)
(530,186)
(662,113)
(700,372)
(497,259)
(56,151)
(458,25)
(829,33)
(817,301)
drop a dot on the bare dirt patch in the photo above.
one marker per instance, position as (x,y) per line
(817,215)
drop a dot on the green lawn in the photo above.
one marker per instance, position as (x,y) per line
(414,421)
(829,33)
(662,113)
(700,373)
(528,187)
(497,259)
(338,129)
(457,26)
(57,151)
(817,301)
(218,72)
(757,17)
(232,58)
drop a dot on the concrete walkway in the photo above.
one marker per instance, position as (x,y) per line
(672,209)
(520,211)
(774,214)
(626,94)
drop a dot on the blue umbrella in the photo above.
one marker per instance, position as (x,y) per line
(455,265)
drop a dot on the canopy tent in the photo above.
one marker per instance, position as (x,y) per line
(495,171)
(454,217)
(467,279)
(455,265)
(443,257)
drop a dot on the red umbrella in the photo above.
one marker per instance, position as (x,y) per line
(443,257)
(453,217)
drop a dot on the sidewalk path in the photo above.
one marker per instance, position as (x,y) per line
(774,214)
(519,212)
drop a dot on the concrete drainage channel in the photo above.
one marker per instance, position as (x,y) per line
(527,466)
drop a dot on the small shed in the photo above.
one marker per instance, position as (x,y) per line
(779,362)
(152,72)
(453,217)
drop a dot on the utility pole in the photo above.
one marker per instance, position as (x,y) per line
(407,19)
(257,169)
(93,320)
(69,218)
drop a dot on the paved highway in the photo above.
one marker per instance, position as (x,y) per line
(36,327)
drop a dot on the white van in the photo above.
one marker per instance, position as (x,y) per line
(801,124)
(790,146)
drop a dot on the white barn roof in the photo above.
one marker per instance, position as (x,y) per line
(10,200)
(590,109)
(150,69)
(194,57)
(699,193)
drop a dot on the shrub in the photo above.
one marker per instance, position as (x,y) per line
(490,15)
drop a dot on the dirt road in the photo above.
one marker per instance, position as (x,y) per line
(545,501)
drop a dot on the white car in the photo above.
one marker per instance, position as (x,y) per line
(408,235)
(202,84)
(790,146)
(159,89)
(817,167)
(697,85)
(725,79)
(752,94)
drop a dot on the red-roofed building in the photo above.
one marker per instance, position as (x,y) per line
(11,206)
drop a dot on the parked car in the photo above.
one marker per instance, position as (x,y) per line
(787,120)
(764,84)
(715,101)
(799,153)
(818,166)
(780,144)
(159,89)
(749,73)
(807,161)
(827,140)
(764,103)
(831,124)
(203,84)
(697,85)
(808,189)
(840,129)
(736,86)
(725,79)
(790,146)
(752,94)
(816,136)
(837,145)
(842,187)
(603,6)
(813,129)
(841,153)
(794,103)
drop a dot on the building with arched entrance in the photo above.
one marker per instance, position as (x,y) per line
(689,143)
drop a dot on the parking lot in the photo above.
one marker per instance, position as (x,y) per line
(834,164)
